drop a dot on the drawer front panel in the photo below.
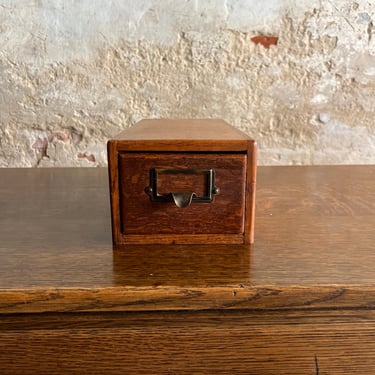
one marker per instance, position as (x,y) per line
(142,216)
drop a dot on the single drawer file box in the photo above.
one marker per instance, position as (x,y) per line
(182,182)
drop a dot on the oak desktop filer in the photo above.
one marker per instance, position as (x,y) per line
(182,182)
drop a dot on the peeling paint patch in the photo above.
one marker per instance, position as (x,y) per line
(286,94)
(336,139)
(89,157)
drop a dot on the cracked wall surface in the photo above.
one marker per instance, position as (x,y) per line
(298,76)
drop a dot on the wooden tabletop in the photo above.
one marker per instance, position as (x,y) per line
(314,247)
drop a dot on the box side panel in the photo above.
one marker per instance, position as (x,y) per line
(114,190)
(251,172)
(183,145)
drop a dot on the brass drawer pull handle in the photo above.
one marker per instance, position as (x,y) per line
(182,199)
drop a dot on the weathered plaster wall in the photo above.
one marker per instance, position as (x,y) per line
(74,73)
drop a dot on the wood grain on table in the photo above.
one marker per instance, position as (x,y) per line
(300,301)
(314,247)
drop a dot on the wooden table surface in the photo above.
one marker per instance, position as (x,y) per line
(301,300)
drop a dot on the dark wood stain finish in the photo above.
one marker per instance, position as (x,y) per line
(182,144)
(141,216)
(300,299)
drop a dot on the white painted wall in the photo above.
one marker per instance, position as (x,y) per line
(74,73)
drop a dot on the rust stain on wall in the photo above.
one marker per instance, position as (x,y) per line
(265,41)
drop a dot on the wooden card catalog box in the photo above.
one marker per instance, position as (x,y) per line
(182,182)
